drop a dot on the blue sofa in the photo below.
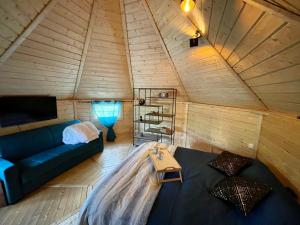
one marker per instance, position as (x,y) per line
(31,158)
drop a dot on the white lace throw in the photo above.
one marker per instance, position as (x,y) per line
(126,196)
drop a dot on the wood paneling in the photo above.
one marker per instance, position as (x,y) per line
(105,73)
(47,62)
(65,112)
(279,148)
(181,123)
(230,129)
(15,16)
(205,75)
(259,43)
(291,5)
(150,65)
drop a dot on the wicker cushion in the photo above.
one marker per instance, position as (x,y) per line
(242,192)
(230,163)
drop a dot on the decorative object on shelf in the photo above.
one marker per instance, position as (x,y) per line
(142,101)
(187,5)
(163,94)
(141,118)
(165,130)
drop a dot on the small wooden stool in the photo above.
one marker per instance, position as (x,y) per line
(165,165)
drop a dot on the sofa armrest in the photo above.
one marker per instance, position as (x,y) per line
(9,174)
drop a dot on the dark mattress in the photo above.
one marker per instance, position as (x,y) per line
(191,203)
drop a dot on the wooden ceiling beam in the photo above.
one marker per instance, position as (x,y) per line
(86,46)
(127,49)
(27,31)
(164,47)
(275,10)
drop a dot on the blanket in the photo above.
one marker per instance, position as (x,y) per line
(126,196)
(80,133)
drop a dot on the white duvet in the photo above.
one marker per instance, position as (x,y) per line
(126,196)
(80,133)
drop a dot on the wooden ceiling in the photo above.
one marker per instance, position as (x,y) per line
(248,57)
(260,42)
(151,65)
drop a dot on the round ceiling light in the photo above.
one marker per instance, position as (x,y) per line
(187,5)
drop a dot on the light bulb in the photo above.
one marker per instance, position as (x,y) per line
(187,5)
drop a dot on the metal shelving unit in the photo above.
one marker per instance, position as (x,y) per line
(155,119)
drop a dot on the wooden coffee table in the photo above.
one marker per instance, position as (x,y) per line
(167,164)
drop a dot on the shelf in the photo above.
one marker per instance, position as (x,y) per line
(160,114)
(149,105)
(148,137)
(162,98)
(154,122)
(157,131)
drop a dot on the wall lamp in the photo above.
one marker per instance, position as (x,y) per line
(194,41)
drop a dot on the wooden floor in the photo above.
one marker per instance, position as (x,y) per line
(64,195)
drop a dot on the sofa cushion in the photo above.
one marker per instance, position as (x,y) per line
(27,143)
(57,131)
(24,144)
(36,165)
(45,162)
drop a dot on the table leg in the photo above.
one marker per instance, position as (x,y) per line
(157,178)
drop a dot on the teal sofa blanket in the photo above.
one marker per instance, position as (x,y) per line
(31,158)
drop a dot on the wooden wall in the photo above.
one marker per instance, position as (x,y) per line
(15,16)
(275,136)
(65,112)
(260,45)
(181,123)
(279,148)
(47,62)
(61,58)
(150,65)
(105,73)
(227,128)
(205,75)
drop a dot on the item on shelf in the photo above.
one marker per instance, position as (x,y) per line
(163,94)
(165,130)
(154,113)
(142,101)
(141,118)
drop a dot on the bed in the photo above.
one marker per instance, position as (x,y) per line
(189,203)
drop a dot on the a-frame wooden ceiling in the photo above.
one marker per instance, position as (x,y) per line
(92,49)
